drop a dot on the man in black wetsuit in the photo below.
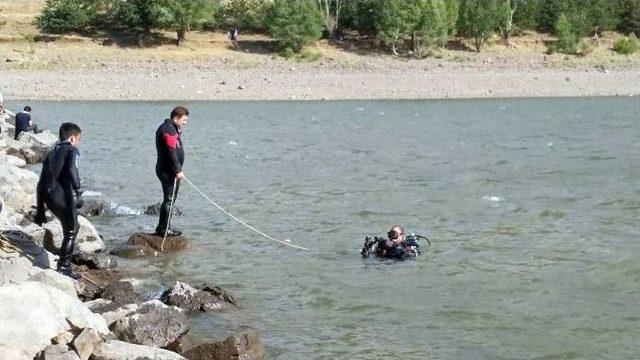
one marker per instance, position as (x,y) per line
(24,123)
(169,164)
(59,190)
(393,246)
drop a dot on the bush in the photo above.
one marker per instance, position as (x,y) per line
(584,47)
(626,45)
(64,16)
(295,23)
(567,37)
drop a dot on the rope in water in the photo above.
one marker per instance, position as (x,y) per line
(282,242)
(173,198)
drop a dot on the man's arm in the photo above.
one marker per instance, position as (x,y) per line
(172,141)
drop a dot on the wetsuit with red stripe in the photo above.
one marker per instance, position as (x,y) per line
(169,163)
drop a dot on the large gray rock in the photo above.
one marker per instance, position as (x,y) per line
(119,350)
(17,187)
(15,270)
(120,293)
(114,315)
(190,299)
(93,207)
(88,240)
(8,352)
(57,352)
(55,279)
(33,313)
(85,343)
(152,324)
(26,243)
(242,345)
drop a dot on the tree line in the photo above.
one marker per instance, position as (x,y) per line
(405,27)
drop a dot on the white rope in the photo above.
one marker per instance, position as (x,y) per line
(242,222)
(166,229)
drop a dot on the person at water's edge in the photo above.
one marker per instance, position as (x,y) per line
(24,123)
(169,164)
(59,189)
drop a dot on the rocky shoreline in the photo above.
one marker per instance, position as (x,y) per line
(48,316)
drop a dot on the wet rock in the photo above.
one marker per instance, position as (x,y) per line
(99,260)
(241,345)
(121,293)
(134,251)
(152,324)
(190,299)
(173,243)
(155,210)
(93,282)
(119,350)
(93,208)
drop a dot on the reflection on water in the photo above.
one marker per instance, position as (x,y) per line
(532,206)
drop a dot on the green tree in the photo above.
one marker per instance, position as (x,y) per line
(294,23)
(628,12)
(452,11)
(182,16)
(246,15)
(64,16)
(478,19)
(331,10)
(568,37)
(138,16)
(525,17)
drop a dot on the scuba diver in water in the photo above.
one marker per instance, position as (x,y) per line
(59,189)
(396,246)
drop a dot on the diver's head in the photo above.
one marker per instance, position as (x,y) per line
(396,234)
(180,116)
(72,132)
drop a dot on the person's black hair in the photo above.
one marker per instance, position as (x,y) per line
(179,112)
(27,108)
(68,130)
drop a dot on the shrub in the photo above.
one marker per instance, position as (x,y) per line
(626,45)
(295,23)
(584,47)
(567,37)
(64,16)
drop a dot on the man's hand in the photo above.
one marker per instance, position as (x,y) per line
(79,200)
(180,175)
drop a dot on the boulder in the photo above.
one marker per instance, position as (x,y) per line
(8,352)
(16,161)
(114,315)
(85,343)
(57,352)
(134,251)
(190,299)
(242,345)
(119,350)
(121,293)
(33,313)
(88,240)
(155,210)
(55,279)
(63,338)
(97,303)
(99,260)
(17,187)
(152,324)
(173,243)
(14,270)
(93,208)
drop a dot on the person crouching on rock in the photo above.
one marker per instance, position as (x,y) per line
(169,165)
(59,190)
(24,123)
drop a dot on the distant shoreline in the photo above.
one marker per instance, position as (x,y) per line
(295,81)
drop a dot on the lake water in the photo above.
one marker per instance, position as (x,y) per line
(532,206)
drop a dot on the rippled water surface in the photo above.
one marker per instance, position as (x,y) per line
(533,208)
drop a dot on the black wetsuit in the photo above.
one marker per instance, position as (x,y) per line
(59,189)
(169,163)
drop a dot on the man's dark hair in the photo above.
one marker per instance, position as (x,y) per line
(68,130)
(27,108)
(179,112)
